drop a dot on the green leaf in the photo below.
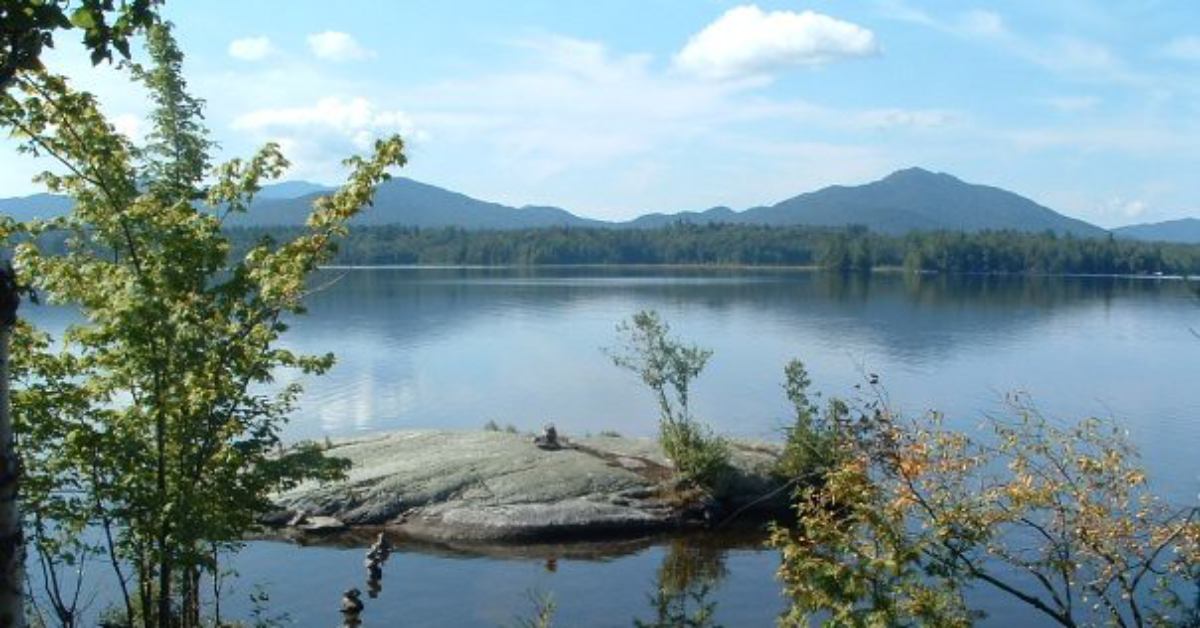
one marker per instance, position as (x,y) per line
(83,18)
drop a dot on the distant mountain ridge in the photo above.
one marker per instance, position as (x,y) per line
(1183,231)
(919,200)
(291,189)
(913,199)
(35,206)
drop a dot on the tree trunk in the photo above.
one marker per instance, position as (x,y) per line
(12,543)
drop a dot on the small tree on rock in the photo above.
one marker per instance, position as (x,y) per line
(668,366)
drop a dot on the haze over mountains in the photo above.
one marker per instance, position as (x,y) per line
(913,199)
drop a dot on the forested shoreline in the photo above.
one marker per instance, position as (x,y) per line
(850,249)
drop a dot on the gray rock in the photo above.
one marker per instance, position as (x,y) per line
(322,525)
(633,464)
(491,486)
(276,518)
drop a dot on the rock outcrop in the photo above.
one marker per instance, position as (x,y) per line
(497,486)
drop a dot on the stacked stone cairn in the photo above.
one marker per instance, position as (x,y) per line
(352,604)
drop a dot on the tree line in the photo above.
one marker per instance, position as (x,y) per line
(845,249)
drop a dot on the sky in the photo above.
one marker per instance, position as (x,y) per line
(617,108)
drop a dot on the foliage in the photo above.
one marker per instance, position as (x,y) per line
(684,584)
(149,422)
(544,608)
(667,366)
(843,249)
(810,447)
(1057,518)
(27,27)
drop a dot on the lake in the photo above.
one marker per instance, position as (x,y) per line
(458,347)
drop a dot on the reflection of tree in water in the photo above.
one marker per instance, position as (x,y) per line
(690,571)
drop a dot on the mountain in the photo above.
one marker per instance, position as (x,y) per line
(720,214)
(1184,230)
(918,200)
(402,201)
(906,200)
(43,206)
(291,189)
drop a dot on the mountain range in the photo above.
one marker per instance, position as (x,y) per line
(913,199)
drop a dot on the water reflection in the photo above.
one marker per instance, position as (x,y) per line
(420,348)
(461,346)
(708,579)
(691,570)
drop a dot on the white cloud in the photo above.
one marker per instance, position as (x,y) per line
(576,106)
(579,112)
(315,138)
(910,118)
(589,59)
(251,48)
(128,125)
(1125,208)
(1068,55)
(1064,54)
(337,46)
(901,11)
(746,41)
(351,116)
(1183,48)
(568,113)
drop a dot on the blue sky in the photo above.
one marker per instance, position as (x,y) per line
(615,108)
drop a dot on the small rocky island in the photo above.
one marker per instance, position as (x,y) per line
(493,486)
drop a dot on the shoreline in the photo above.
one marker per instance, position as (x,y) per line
(808,268)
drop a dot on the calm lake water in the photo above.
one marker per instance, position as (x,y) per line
(458,347)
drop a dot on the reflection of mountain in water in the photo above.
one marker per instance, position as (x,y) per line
(456,347)
(405,306)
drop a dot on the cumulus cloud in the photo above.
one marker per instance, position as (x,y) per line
(337,46)
(316,137)
(251,48)
(1183,48)
(357,118)
(747,41)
